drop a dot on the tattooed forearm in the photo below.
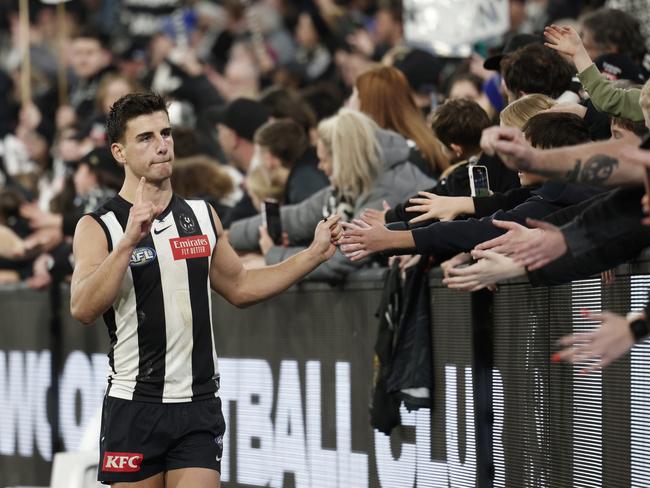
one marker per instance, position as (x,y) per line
(596,170)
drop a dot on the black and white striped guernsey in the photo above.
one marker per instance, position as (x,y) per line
(160,325)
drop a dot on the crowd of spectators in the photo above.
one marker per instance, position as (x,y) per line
(325,107)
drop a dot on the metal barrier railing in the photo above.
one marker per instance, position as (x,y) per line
(296,382)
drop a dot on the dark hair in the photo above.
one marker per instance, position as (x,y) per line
(129,107)
(556,129)
(186,142)
(536,69)
(285,103)
(94,33)
(461,122)
(612,27)
(469,77)
(639,128)
(108,179)
(324,98)
(284,138)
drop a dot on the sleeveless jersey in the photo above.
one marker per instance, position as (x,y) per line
(160,325)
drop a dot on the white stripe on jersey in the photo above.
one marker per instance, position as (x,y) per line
(205,220)
(125,352)
(178,315)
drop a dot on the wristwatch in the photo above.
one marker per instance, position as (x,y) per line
(639,328)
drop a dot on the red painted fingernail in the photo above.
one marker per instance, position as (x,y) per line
(555,358)
(584,312)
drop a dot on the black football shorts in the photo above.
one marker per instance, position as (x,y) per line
(141,439)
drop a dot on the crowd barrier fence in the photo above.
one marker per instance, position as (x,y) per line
(296,375)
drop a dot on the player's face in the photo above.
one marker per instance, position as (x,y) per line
(148,147)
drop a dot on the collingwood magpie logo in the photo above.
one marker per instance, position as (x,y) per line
(219,442)
(187,223)
(142,255)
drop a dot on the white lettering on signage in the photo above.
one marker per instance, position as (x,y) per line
(460,474)
(268,447)
(83,377)
(24,381)
(271,442)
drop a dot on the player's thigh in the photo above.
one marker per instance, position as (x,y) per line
(155,481)
(193,478)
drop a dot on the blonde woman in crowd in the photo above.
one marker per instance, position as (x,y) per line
(365,165)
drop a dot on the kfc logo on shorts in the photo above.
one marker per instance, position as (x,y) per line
(122,462)
(190,247)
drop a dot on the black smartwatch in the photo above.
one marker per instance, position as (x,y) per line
(639,328)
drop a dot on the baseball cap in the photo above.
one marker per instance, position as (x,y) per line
(619,67)
(242,115)
(515,42)
(421,68)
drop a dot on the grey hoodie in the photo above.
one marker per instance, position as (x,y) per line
(399,180)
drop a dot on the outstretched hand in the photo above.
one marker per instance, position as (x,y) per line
(514,242)
(566,41)
(510,145)
(563,39)
(490,268)
(327,236)
(599,347)
(374,214)
(545,246)
(431,206)
(361,238)
(457,260)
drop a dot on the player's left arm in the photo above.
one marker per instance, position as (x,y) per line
(243,287)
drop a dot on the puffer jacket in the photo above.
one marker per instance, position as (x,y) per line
(399,180)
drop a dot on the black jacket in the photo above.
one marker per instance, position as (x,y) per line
(600,233)
(304,179)
(486,206)
(444,239)
(456,184)
(243,209)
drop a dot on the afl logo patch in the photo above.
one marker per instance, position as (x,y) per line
(141,256)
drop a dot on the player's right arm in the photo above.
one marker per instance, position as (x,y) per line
(98,274)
